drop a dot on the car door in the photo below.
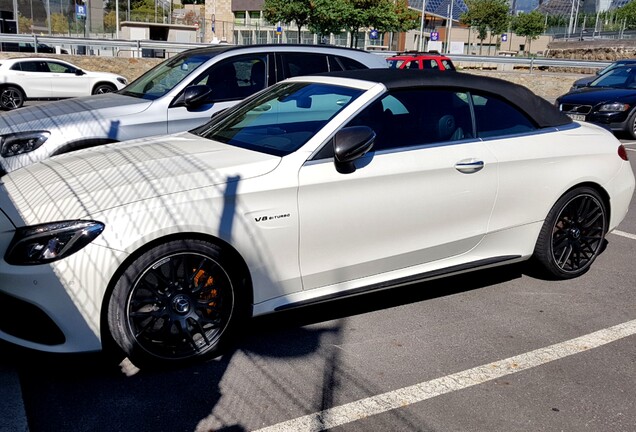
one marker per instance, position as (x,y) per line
(424,194)
(31,76)
(66,82)
(231,80)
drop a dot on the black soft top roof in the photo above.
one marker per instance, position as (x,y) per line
(543,112)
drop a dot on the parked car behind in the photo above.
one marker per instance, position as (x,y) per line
(584,82)
(29,47)
(41,78)
(609,101)
(177,95)
(430,60)
(168,245)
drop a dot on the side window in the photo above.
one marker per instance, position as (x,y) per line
(344,63)
(236,78)
(448,65)
(430,64)
(30,66)
(59,67)
(413,64)
(494,117)
(414,117)
(297,64)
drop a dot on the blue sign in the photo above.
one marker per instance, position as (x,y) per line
(374,34)
(434,36)
(504,37)
(80,11)
(279,30)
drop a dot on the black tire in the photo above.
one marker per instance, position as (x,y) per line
(180,302)
(104,88)
(572,235)
(11,98)
(631,125)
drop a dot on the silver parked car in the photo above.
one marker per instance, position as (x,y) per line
(176,95)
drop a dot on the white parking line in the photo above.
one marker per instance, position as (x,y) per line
(624,234)
(419,392)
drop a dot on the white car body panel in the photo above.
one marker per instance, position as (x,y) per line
(339,235)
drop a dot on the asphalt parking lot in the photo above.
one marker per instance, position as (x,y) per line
(496,350)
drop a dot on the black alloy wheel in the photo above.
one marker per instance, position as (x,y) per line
(11,98)
(178,302)
(573,234)
(104,88)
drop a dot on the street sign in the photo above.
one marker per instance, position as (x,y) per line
(80,11)
(434,36)
(279,30)
(374,34)
(504,37)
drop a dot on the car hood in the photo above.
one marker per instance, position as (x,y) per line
(591,96)
(102,74)
(87,182)
(71,111)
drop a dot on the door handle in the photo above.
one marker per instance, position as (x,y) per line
(469,166)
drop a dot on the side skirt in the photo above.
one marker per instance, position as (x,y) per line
(490,262)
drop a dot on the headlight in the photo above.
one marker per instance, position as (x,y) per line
(613,107)
(41,244)
(122,80)
(22,142)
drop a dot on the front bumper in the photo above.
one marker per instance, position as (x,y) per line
(37,311)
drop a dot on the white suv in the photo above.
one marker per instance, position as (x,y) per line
(41,78)
(177,95)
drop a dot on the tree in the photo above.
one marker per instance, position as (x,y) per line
(486,16)
(25,25)
(110,22)
(627,14)
(288,11)
(59,23)
(531,25)
(326,16)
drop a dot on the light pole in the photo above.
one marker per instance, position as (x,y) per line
(422,26)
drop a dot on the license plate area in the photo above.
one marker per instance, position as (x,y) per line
(577,117)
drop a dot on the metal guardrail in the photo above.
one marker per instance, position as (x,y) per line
(122,44)
(530,62)
(110,43)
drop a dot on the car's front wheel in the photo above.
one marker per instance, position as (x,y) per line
(572,235)
(104,88)
(179,302)
(11,98)
(631,125)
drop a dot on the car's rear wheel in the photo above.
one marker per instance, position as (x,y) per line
(11,98)
(572,235)
(179,302)
(104,88)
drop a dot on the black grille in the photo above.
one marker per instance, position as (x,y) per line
(576,109)
(26,321)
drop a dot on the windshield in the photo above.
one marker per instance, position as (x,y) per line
(164,77)
(282,119)
(622,77)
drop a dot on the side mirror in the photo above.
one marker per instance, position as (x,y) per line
(79,72)
(195,96)
(350,144)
